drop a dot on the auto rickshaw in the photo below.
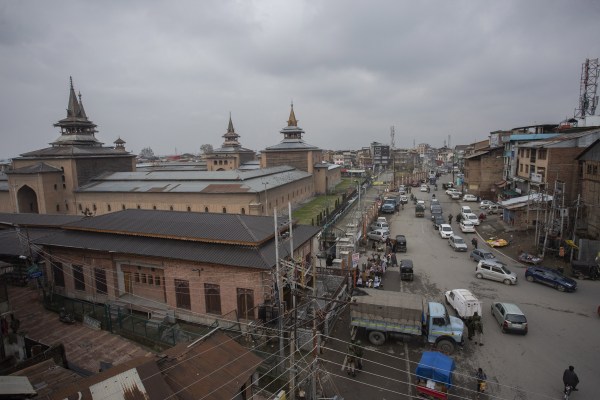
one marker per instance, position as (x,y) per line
(434,375)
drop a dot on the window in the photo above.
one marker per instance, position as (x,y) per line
(78,277)
(67,206)
(144,278)
(521,168)
(122,206)
(108,207)
(150,280)
(215,162)
(58,207)
(212,298)
(157,280)
(59,276)
(100,277)
(245,303)
(154,207)
(64,186)
(94,207)
(205,209)
(542,154)
(243,211)
(138,206)
(171,208)
(589,169)
(224,210)
(136,277)
(80,207)
(189,208)
(182,294)
(55,186)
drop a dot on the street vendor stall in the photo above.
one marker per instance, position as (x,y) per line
(434,375)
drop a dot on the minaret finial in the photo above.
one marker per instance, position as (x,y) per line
(292,121)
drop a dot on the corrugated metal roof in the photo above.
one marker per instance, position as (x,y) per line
(207,227)
(220,254)
(37,168)
(216,368)
(47,377)
(14,244)
(185,181)
(74,151)
(37,220)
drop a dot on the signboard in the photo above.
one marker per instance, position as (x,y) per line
(355,259)
(536,178)
(36,274)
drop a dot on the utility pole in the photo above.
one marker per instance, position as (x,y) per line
(314,331)
(293,332)
(575,224)
(279,293)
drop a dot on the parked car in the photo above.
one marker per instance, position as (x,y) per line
(474,219)
(466,226)
(465,210)
(380,225)
(469,197)
(510,317)
(484,204)
(457,243)
(445,231)
(493,209)
(438,219)
(424,188)
(495,271)
(455,195)
(400,243)
(451,190)
(551,278)
(481,254)
(464,302)
(379,235)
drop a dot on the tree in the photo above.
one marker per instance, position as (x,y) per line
(147,153)
(206,149)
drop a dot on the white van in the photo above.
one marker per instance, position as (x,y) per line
(464,302)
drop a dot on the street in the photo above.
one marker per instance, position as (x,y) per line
(563,327)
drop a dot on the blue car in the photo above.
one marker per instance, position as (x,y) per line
(550,277)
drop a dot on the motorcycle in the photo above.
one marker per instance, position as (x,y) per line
(66,317)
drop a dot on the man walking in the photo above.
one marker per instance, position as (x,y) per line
(477,327)
(474,242)
(570,378)
(450,219)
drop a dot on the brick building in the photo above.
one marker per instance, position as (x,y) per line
(482,170)
(589,172)
(201,267)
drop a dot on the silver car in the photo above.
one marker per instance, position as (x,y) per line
(457,243)
(510,317)
(495,271)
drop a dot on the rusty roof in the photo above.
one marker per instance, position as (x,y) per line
(47,377)
(215,368)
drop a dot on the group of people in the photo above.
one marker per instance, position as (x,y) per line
(372,273)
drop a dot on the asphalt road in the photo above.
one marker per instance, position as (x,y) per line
(563,327)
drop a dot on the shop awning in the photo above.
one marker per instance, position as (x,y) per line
(510,192)
(501,183)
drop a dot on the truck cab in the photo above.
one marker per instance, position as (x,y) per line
(442,329)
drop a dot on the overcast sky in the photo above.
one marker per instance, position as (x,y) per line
(166,74)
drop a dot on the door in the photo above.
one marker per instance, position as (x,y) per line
(128,282)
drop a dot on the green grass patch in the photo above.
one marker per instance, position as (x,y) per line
(307,214)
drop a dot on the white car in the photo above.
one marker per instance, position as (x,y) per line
(466,226)
(471,217)
(485,204)
(455,196)
(469,197)
(451,190)
(424,188)
(445,231)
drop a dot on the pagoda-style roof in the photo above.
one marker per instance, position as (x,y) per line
(231,143)
(76,128)
(292,136)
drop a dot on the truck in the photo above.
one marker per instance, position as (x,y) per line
(386,314)
(419,210)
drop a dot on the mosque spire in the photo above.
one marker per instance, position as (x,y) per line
(292,121)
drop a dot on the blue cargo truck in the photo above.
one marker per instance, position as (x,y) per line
(385,314)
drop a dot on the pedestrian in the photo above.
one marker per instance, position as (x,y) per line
(481,381)
(458,218)
(477,328)
(394,260)
(358,351)
(474,242)
(470,329)
(351,359)
(450,219)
